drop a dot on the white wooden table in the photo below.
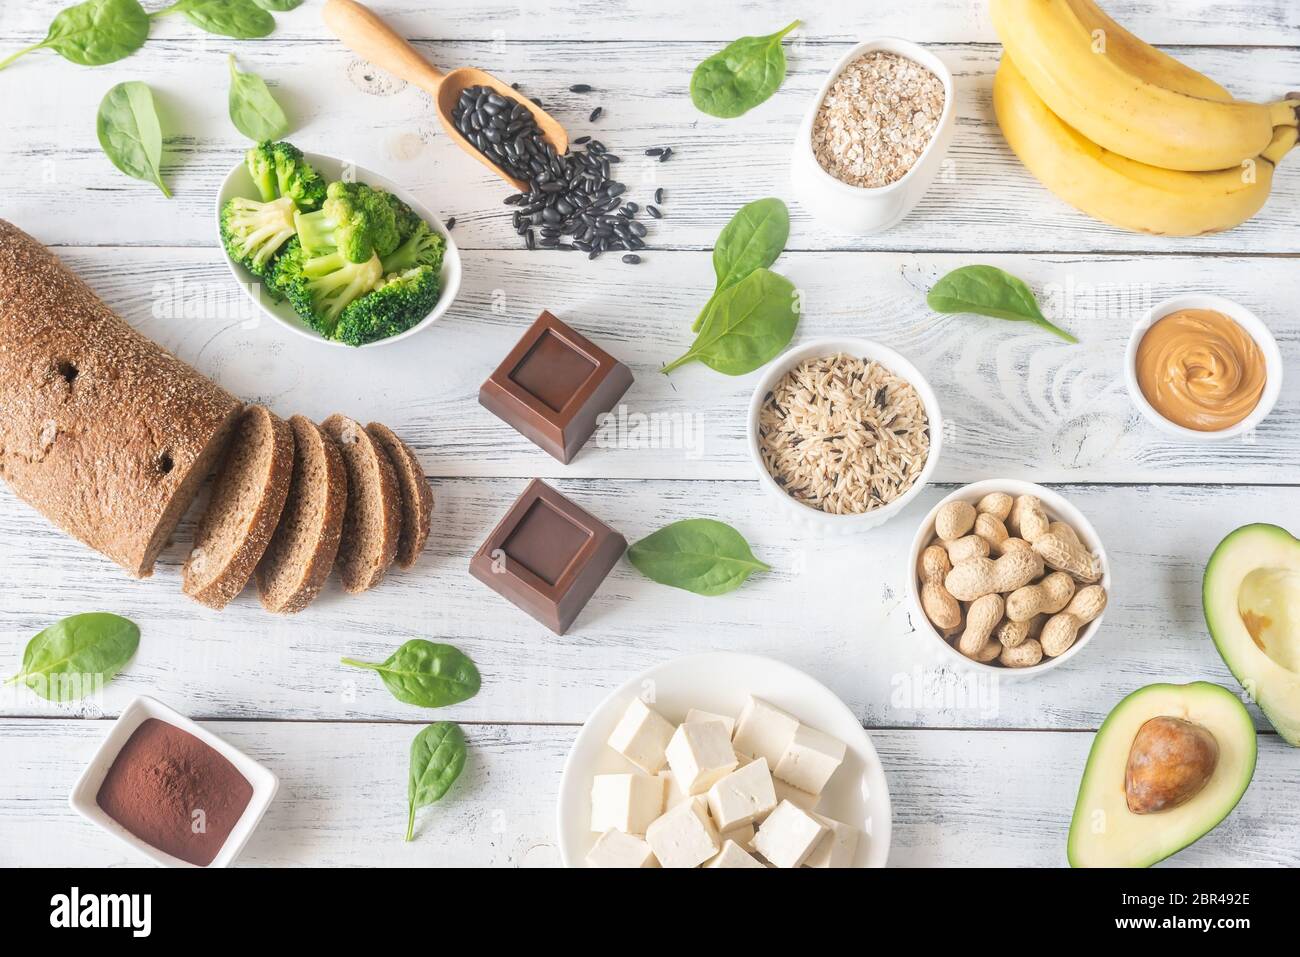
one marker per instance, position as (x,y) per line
(983,780)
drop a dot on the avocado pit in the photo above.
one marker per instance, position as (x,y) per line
(1170,761)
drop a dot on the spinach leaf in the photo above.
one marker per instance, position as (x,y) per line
(698,554)
(988,291)
(253,109)
(129,132)
(740,76)
(437,758)
(278,6)
(70,658)
(748,325)
(241,19)
(426,674)
(93,33)
(753,239)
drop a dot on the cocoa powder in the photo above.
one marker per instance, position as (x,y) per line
(174,792)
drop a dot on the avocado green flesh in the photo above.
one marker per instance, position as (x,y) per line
(1104,832)
(1251,595)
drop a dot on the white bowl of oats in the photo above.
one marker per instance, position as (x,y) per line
(875,136)
(844,433)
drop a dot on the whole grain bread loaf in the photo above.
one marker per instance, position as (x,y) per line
(244,510)
(373,523)
(417,496)
(101,430)
(303,549)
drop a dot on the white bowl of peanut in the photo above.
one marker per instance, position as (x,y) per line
(1009,577)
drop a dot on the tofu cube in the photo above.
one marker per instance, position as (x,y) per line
(837,847)
(696,716)
(742,796)
(788,835)
(684,837)
(627,802)
(800,799)
(616,849)
(700,754)
(641,736)
(764,731)
(733,855)
(673,795)
(743,835)
(809,760)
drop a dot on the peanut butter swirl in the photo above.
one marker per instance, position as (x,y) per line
(1201,370)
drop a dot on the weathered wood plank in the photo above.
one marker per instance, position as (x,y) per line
(984,199)
(959,798)
(836,610)
(1016,400)
(1237,22)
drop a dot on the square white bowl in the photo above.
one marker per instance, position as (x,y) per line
(1058,509)
(813,519)
(1243,317)
(863,210)
(86,790)
(238,182)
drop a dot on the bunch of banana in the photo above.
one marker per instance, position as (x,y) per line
(1126,133)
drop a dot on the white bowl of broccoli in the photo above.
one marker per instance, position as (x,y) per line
(332,251)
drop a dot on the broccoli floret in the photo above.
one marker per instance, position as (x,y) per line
(423,247)
(285,270)
(356,221)
(252,232)
(400,301)
(407,220)
(321,287)
(279,169)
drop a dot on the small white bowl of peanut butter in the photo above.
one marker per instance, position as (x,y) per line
(1203,368)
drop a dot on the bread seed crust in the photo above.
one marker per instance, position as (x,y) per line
(372,524)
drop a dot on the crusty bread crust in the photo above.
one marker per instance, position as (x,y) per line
(417,496)
(306,543)
(373,523)
(247,499)
(104,432)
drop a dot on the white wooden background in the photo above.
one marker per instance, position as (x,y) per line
(985,781)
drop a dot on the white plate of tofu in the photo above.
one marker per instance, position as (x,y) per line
(723,760)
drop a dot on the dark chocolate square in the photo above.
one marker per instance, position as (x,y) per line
(553,386)
(548,555)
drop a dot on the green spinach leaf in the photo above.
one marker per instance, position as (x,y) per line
(753,239)
(129,132)
(253,109)
(72,657)
(988,291)
(748,325)
(437,757)
(698,554)
(93,33)
(426,674)
(278,6)
(241,19)
(740,76)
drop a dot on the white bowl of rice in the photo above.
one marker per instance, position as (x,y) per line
(844,433)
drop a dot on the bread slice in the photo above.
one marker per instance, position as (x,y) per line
(306,542)
(417,496)
(373,523)
(244,510)
(101,430)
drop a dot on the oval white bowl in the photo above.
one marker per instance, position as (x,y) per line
(857,793)
(1253,325)
(1058,509)
(239,183)
(815,520)
(863,210)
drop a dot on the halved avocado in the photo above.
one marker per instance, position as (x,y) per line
(1251,595)
(1105,832)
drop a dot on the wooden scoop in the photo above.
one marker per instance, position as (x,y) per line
(366,35)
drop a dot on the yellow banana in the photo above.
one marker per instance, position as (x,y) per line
(1121,191)
(1100,95)
(1141,58)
